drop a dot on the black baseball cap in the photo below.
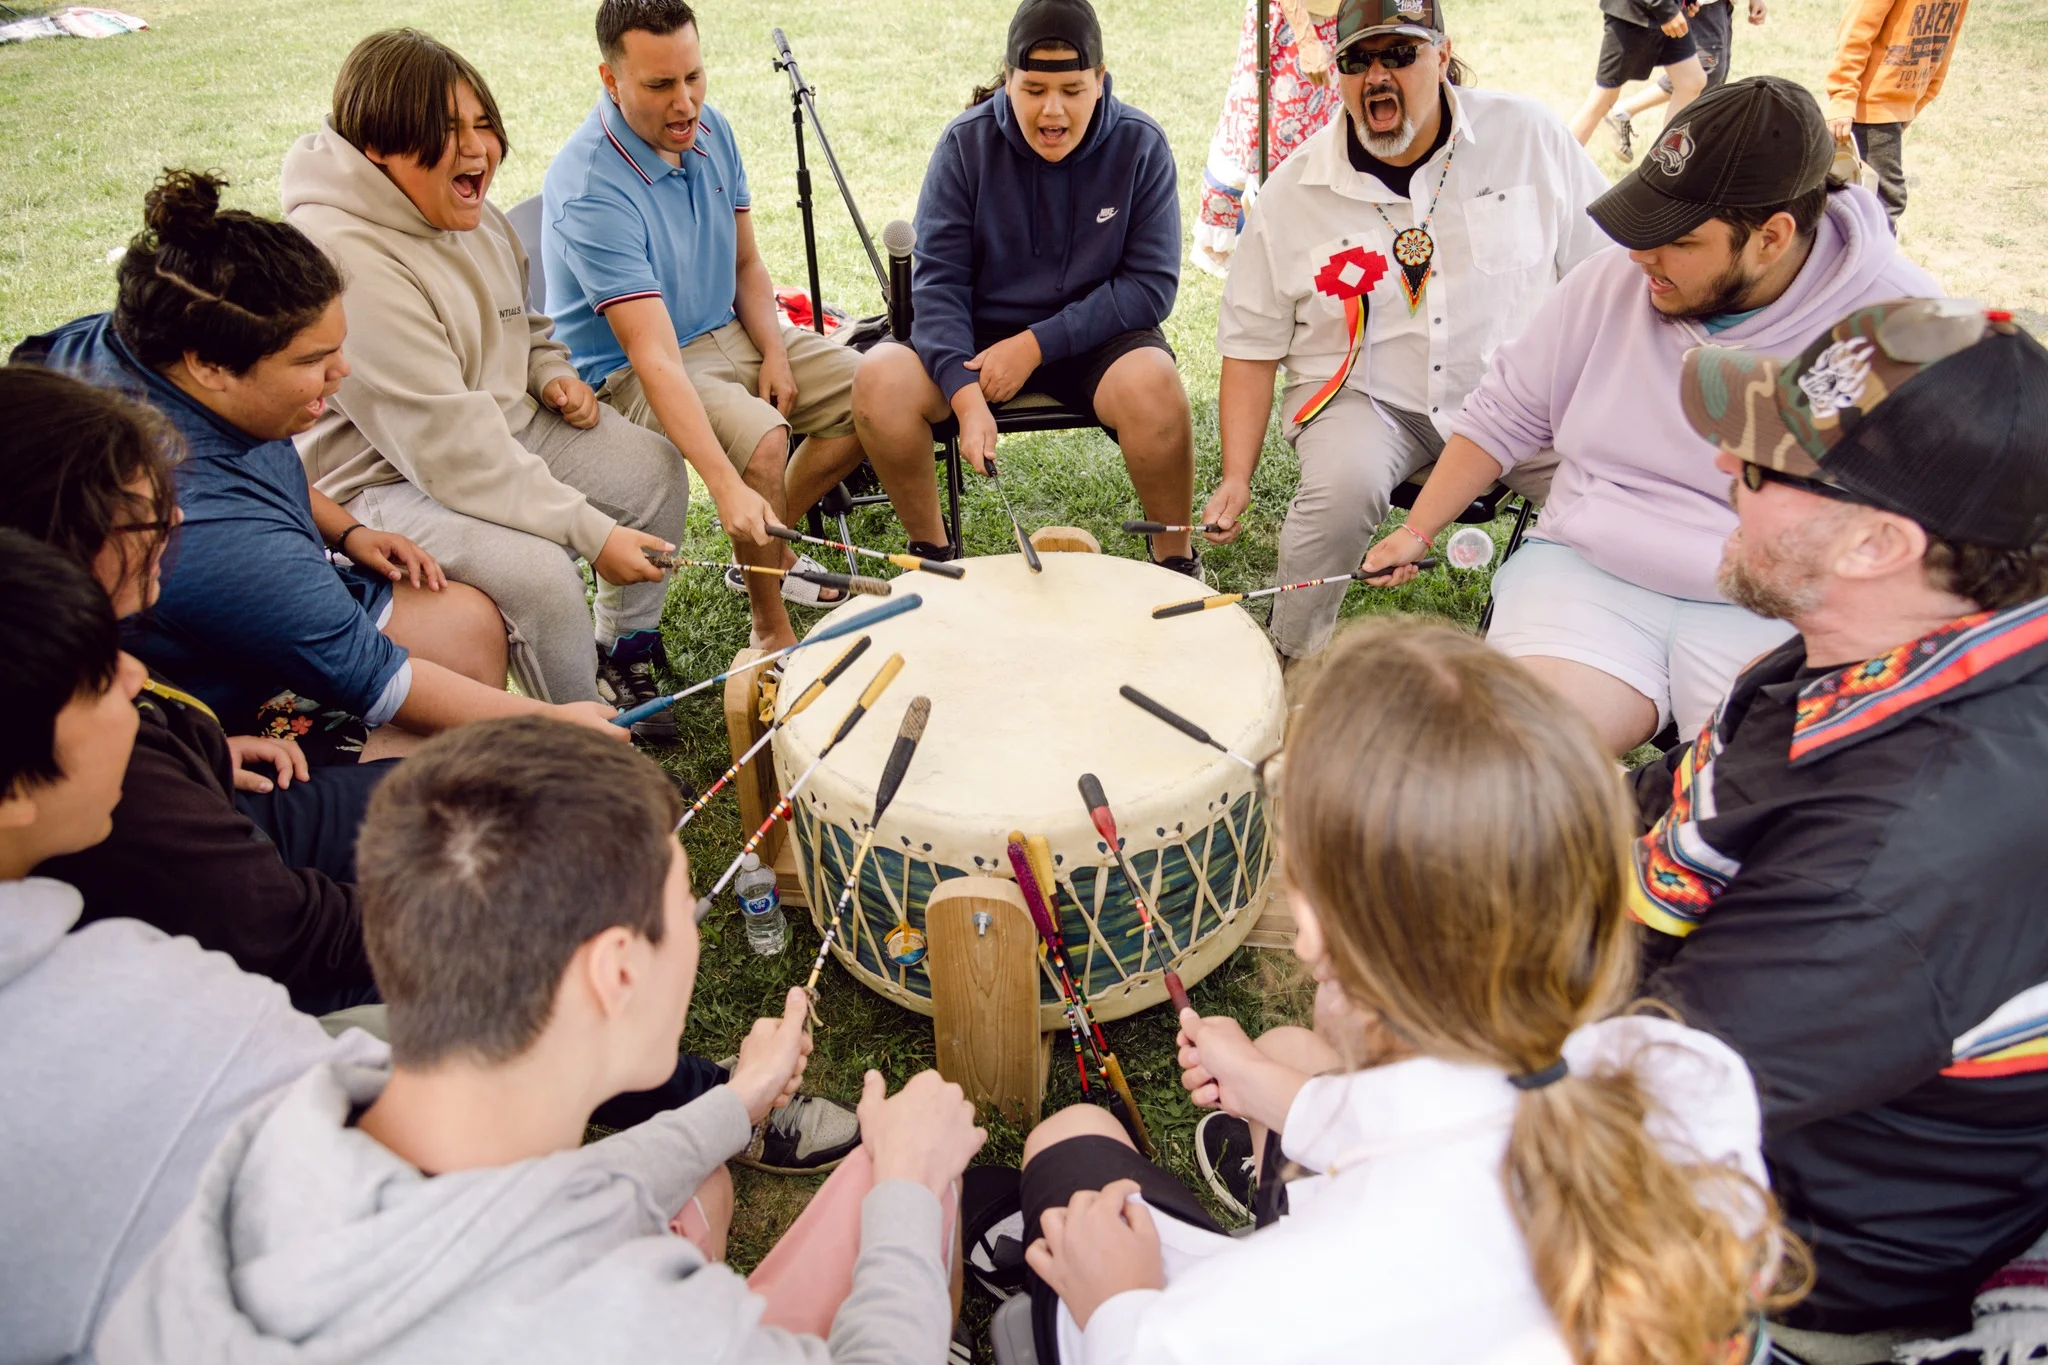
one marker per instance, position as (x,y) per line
(1930,408)
(1757,143)
(1062,23)
(1358,20)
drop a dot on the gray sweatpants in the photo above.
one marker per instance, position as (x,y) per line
(630,474)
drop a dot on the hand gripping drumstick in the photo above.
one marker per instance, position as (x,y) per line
(810,694)
(907,736)
(1016,527)
(833,630)
(937,566)
(855,583)
(1224,599)
(783,807)
(1160,528)
(1182,724)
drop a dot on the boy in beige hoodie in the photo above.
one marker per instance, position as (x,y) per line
(463,424)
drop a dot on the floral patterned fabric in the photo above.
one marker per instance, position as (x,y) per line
(1300,108)
(326,735)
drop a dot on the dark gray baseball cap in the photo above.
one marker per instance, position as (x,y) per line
(1065,23)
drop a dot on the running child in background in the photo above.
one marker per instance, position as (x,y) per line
(1713,29)
(1641,36)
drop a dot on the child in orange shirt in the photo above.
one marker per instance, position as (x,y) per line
(1891,57)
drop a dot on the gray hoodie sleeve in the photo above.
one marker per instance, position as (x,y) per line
(671,1154)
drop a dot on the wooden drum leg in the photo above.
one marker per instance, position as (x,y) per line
(984,970)
(755,789)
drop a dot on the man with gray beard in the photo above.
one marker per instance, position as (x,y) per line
(1842,875)
(1382,265)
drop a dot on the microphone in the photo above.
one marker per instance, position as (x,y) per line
(897,239)
(781,45)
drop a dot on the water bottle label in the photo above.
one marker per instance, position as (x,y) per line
(760,905)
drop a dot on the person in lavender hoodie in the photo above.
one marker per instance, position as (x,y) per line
(1729,230)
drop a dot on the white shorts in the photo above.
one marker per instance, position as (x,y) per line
(1682,655)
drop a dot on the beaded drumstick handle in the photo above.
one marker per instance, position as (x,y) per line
(1160,528)
(1224,599)
(783,807)
(938,566)
(1181,723)
(915,717)
(1052,947)
(871,587)
(809,695)
(831,630)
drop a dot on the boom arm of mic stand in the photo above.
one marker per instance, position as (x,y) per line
(785,60)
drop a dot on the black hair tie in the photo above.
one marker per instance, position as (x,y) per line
(1536,1080)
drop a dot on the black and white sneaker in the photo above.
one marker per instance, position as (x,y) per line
(1624,135)
(1191,565)
(1223,1149)
(808,1136)
(625,679)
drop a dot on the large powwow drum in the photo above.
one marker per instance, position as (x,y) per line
(1022,670)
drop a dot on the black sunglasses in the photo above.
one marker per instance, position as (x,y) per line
(1755,476)
(1356,61)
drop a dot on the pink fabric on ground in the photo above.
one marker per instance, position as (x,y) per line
(809,1272)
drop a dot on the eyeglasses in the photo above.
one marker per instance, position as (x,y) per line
(1356,61)
(1755,476)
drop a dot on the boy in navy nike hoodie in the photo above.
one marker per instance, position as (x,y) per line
(1048,255)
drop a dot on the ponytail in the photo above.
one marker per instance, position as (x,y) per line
(1642,1259)
(229,287)
(982,94)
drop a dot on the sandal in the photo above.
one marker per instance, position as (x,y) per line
(794,590)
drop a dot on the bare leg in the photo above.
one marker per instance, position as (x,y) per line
(1622,716)
(764,474)
(1688,80)
(1592,111)
(1142,399)
(895,404)
(707,1219)
(391,741)
(818,464)
(1644,100)
(1076,1120)
(458,628)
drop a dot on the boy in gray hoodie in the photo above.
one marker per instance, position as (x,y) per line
(129,1052)
(530,922)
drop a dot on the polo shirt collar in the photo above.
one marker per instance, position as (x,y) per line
(1329,163)
(646,162)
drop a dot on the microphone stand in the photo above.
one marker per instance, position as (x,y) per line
(1265,61)
(800,106)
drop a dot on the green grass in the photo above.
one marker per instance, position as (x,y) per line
(229,83)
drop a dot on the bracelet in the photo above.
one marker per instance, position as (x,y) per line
(1427,542)
(341,541)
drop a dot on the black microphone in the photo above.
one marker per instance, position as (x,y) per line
(781,45)
(897,239)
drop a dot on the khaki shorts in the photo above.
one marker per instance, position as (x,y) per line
(725,368)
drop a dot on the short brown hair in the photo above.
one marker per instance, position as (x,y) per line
(617,18)
(394,93)
(486,860)
(1463,841)
(1993,578)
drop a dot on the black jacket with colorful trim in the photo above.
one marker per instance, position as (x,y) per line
(1846,878)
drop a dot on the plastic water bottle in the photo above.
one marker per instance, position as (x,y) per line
(761,907)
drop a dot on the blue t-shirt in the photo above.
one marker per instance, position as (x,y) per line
(620,223)
(1721,322)
(250,606)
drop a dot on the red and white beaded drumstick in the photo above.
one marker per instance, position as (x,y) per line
(943,568)
(1224,599)
(907,735)
(1105,825)
(1053,948)
(787,803)
(855,583)
(809,695)
(1016,527)
(1176,992)
(1160,528)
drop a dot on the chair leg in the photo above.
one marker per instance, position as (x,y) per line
(814,522)
(953,494)
(846,538)
(1523,514)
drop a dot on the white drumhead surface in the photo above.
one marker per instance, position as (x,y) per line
(1022,670)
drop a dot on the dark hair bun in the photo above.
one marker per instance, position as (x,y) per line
(183,208)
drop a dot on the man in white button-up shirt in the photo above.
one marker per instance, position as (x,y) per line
(1383,264)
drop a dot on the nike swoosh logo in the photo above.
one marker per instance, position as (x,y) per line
(1105,215)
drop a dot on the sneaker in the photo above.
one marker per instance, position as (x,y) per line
(1624,135)
(937,554)
(1191,565)
(625,679)
(1223,1149)
(808,1136)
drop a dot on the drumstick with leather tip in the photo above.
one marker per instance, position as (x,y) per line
(831,630)
(1160,528)
(1049,950)
(1225,599)
(1024,544)
(915,716)
(1176,992)
(787,803)
(938,566)
(1031,860)
(796,708)
(1182,724)
(854,583)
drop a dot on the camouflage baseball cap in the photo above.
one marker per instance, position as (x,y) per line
(1358,20)
(1936,409)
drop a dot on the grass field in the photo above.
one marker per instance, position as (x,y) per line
(229,83)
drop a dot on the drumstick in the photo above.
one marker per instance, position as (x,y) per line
(1053,948)
(1016,527)
(1177,992)
(1182,724)
(937,566)
(831,630)
(810,694)
(1160,528)
(871,587)
(908,733)
(1224,599)
(1105,824)
(786,804)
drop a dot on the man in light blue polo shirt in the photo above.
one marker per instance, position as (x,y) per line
(656,286)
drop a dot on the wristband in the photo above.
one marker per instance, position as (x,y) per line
(341,541)
(1427,542)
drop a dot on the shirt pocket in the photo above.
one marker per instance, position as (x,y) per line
(1507,233)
